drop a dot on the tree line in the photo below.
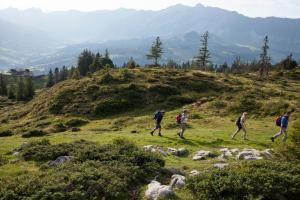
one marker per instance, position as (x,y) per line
(22,90)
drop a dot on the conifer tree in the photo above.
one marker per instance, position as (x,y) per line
(3,86)
(131,63)
(202,60)
(156,51)
(264,58)
(56,75)
(76,74)
(11,92)
(20,92)
(29,90)
(50,81)
(85,59)
(63,74)
(106,60)
(97,63)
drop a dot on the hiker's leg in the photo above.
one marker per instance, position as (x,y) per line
(245,133)
(285,136)
(278,134)
(235,133)
(183,127)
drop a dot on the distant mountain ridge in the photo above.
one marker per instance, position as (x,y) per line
(64,28)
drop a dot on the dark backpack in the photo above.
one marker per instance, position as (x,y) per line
(178,119)
(238,121)
(278,121)
(156,115)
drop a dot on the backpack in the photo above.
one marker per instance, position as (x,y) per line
(178,119)
(156,115)
(278,121)
(238,121)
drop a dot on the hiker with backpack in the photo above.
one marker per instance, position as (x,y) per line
(158,116)
(241,125)
(182,120)
(283,122)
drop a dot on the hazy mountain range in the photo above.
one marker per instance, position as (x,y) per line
(32,38)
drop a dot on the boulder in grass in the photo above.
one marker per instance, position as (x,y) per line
(201,155)
(155,149)
(249,154)
(60,160)
(194,173)
(268,153)
(220,165)
(180,180)
(178,152)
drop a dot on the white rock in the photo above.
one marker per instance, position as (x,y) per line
(248,152)
(182,151)
(267,153)
(194,173)
(157,191)
(173,151)
(180,180)
(152,190)
(221,165)
(16,153)
(178,152)
(155,149)
(234,151)
(60,160)
(253,157)
(201,155)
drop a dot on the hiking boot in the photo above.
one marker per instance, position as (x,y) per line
(160,135)
(152,133)
(272,139)
(179,134)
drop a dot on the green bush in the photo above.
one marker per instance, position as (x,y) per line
(6,133)
(3,160)
(109,172)
(275,107)
(245,105)
(178,100)
(75,122)
(34,133)
(218,104)
(248,180)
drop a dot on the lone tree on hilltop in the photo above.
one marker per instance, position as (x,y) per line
(155,51)
(265,60)
(202,60)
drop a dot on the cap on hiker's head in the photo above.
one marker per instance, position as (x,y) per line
(245,113)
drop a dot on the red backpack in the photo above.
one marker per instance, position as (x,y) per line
(178,119)
(278,121)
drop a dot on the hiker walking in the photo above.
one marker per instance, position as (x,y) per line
(241,125)
(182,118)
(283,122)
(158,118)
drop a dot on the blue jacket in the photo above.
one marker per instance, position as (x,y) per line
(284,121)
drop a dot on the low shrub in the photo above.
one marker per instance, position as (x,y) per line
(218,104)
(178,100)
(245,105)
(75,122)
(248,180)
(3,160)
(109,172)
(6,133)
(275,107)
(34,133)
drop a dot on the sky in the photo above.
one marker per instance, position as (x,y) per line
(252,8)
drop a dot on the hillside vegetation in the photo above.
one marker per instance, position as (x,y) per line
(93,118)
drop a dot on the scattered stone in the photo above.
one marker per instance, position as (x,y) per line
(220,165)
(180,180)
(155,149)
(16,153)
(225,153)
(75,129)
(157,191)
(60,160)
(249,154)
(178,152)
(194,173)
(14,161)
(234,151)
(201,155)
(268,153)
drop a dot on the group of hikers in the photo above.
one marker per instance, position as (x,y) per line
(181,119)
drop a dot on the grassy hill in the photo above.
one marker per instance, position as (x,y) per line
(119,104)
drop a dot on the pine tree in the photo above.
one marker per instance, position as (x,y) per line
(85,59)
(11,92)
(131,63)
(97,62)
(106,61)
(202,60)
(56,75)
(3,86)
(156,51)
(76,74)
(264,58)
(29,90)
(63,74)
(20,93)
(50,81)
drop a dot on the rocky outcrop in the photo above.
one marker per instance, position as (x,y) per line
(60,160)
(201,155)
